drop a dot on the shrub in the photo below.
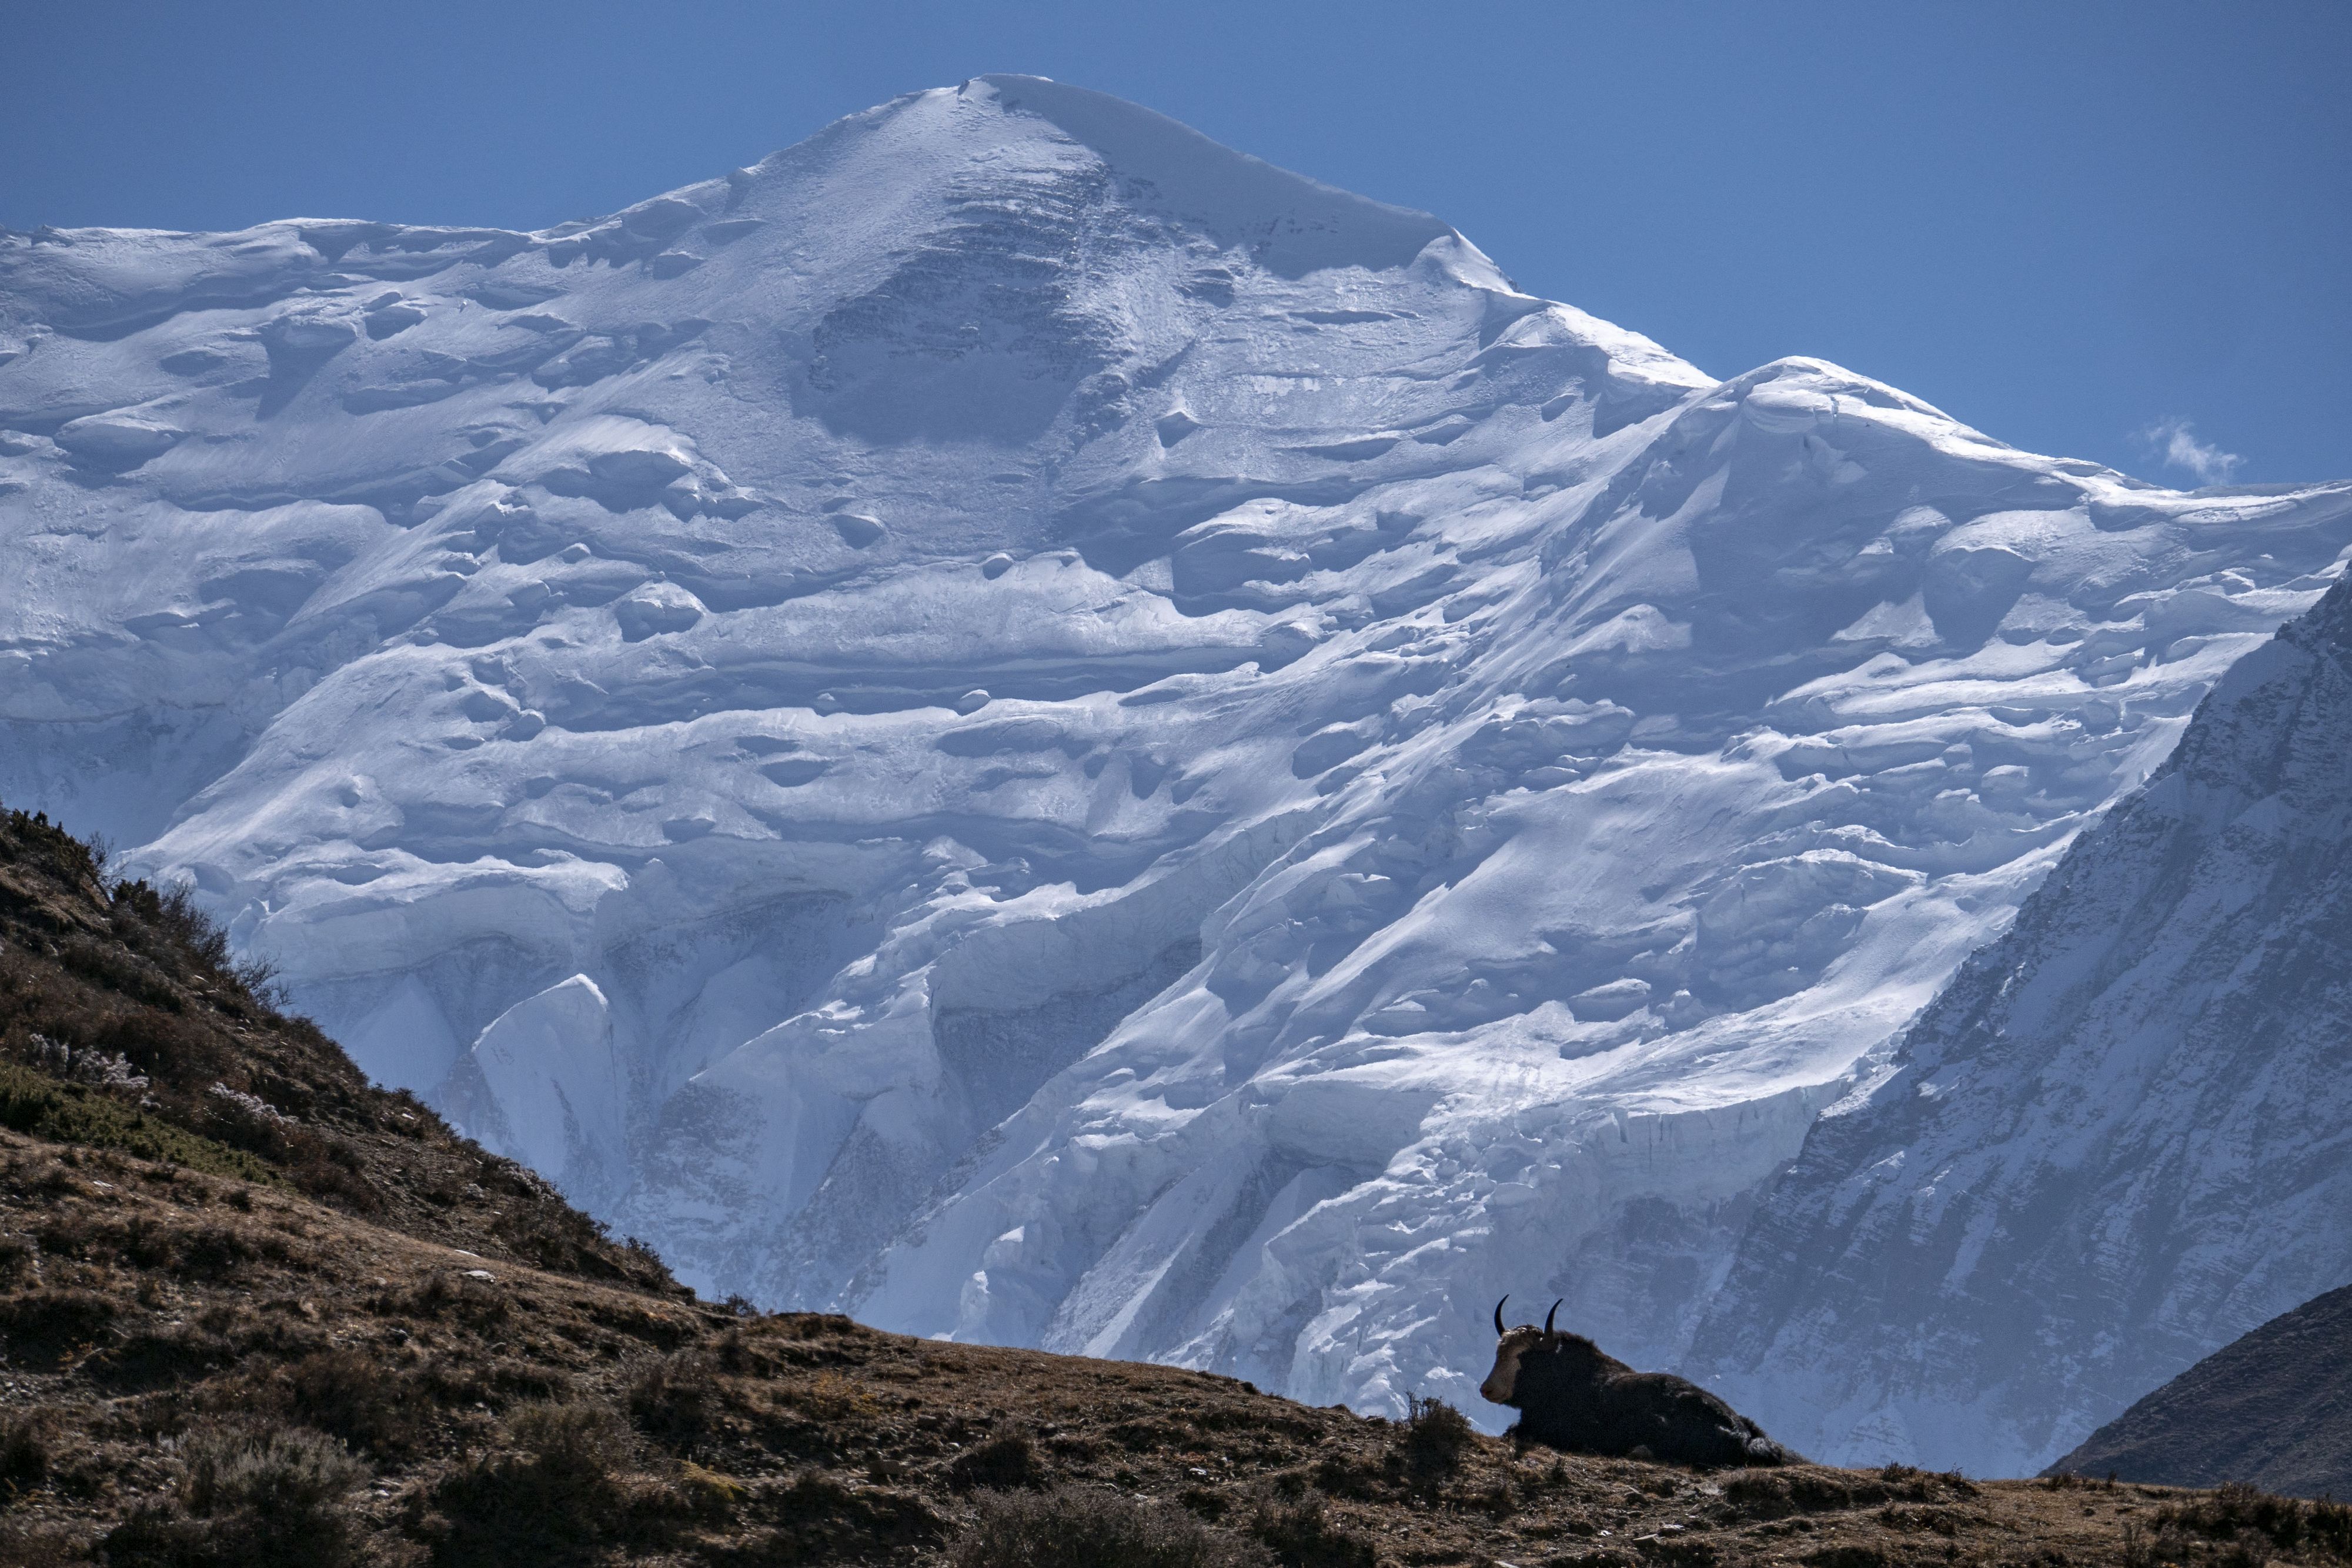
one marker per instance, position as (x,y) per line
(45,1326)
(713,1495)
(831,1397)
(174,914)
(71,1233)
(2235,1512)
(217,1252)
(32,1101)
(24,1452)
(1341,1477)
(1432,1438)
(1075,1527)
(734,1351)
(1004,1462)
(41,1544)
(540,1228)
(479,1303)
(1845,1555)
(286,1471)
(253,1499)
(1775,1494)
(576,1450)
(822,1521)
(1302,1535)
(354,1397)
(162,1355)
(554,1496)
(675,1400)
(328,1169)
(2330,1527)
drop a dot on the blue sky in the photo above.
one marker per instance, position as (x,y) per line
(2121,231)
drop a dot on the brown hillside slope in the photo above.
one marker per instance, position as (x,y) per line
(124,1024)
(293,1321)
(2273,1408)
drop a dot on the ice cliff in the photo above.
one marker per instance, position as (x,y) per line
(1027,727)
(2122,1136)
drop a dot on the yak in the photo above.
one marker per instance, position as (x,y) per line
(1572,1396)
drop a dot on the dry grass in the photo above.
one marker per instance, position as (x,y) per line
(293,1320)
(536,1417)
(1080,1527)
(125,1026)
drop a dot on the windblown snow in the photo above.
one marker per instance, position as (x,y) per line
(1025,726)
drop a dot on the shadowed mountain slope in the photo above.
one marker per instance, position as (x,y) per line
(2274,1409)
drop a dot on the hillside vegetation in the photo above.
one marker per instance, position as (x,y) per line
(255,1311)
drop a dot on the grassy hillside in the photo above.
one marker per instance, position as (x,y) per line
(255,1311)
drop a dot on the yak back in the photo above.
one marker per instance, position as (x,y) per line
(1564,1361)
(1573,1396)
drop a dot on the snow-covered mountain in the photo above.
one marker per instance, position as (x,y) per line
(2121,1138)
(1021,724)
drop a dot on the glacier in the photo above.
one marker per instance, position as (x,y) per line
(1018,724)
(2117,1137)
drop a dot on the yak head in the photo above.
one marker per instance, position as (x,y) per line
(1511,1347)
(1528,1358)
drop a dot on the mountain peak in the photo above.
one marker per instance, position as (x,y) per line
(1003,132)
(1292,224)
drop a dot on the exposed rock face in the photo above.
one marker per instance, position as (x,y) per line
(1025,726)
(2272,1410)
(2120,1138)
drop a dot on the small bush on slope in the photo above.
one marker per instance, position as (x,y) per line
(250,1500)
(2244,1515)
(1076,1527)
(1005,1462)
(556,1491)
(1302,1535)
(356,1398)
(1432,1438)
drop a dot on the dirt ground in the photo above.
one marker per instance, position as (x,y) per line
(496,1412)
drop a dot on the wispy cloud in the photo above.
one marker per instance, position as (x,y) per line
(2175,442)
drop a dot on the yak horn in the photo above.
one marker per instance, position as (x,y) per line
(1549,1315)
(1500,1330)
